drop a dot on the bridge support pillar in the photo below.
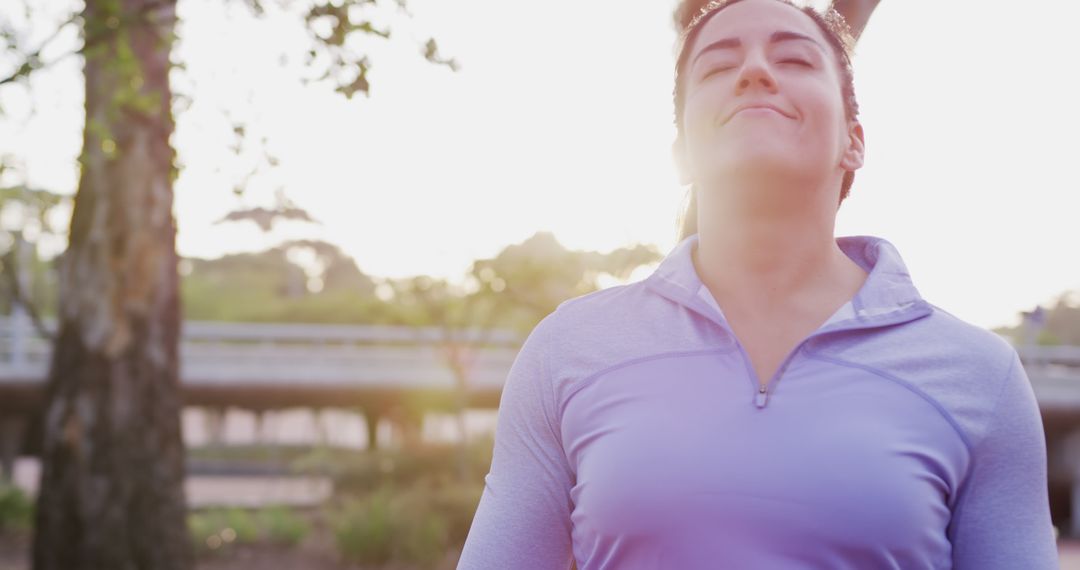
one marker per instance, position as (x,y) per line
(371,420)
(408,421)
(321,431)
(1071,454)
(214,419)
(261,421)
(11,433)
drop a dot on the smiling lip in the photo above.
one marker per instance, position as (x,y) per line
(757,106)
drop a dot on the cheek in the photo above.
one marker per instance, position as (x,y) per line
(700,114)
(823,110)
(692,118)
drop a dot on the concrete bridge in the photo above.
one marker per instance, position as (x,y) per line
(384,372)
(399,373)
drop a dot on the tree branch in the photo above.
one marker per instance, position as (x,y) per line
(19,297)
(32,62)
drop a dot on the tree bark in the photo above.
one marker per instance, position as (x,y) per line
(111,493)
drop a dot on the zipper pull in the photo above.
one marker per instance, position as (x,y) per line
(761,396)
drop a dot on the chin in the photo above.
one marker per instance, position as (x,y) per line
(758,161)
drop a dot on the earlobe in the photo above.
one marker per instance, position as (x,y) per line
(856,150)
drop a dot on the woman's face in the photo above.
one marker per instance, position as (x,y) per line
(763,52)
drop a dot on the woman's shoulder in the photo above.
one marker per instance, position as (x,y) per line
(604,329)
(932,344)
(592,313)
(956,365)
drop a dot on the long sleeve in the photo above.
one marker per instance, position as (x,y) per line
(1002,519)
(523,518)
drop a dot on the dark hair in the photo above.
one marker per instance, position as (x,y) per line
(836,32)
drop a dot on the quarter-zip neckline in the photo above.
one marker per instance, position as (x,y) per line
(887,297)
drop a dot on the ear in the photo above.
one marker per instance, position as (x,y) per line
(855,152)
(682,165)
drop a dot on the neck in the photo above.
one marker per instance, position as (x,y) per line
(767,244)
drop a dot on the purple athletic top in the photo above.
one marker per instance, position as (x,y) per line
(632,434)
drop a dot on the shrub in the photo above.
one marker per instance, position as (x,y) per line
(282,525)
(357,472)
(217,529)
(413,525)
(16,509)
(363,529)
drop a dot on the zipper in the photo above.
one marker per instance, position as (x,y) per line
(908,312)
(761,396)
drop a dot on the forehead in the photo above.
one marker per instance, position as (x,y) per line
(752,21)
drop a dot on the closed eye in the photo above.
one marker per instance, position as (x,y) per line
(720,69)
(714,71)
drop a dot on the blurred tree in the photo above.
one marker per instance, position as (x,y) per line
(1061,323)
(274,286)
(515,289)
(536,275)
(1063,320)
(26,280)
(111,489)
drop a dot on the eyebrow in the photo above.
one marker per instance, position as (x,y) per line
(776,37)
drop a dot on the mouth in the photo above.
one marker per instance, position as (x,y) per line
(758,109)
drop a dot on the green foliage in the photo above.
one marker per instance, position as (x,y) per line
(457,504)
(283,526)
(205,529)
(216,530)
(1061,323)
(355,472)
(332,24)
(243,522)
(1047,338)
(30,209)
(532,278)
(268,287)
(412,525)
(363,529)
(16,509)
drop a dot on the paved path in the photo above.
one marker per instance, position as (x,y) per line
(1069,553)
(225,491)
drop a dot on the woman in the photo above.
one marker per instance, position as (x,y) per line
(771,396)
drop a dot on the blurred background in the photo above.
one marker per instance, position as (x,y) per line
(374,203)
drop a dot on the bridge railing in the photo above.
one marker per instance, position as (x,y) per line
(1057,356)
(218,352)
(275,353)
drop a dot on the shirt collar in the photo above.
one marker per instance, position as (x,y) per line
(888,296)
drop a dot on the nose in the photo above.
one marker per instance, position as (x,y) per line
(754,74)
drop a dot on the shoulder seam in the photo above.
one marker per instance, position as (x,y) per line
(997,399)
(548,381)
(964,436)
(591,294)
(591,378)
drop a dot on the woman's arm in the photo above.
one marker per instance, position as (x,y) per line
(856,12)
(523,519)
(1002,517)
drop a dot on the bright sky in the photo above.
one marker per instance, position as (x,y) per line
(560,119)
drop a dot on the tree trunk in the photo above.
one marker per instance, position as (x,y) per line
(111,493)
